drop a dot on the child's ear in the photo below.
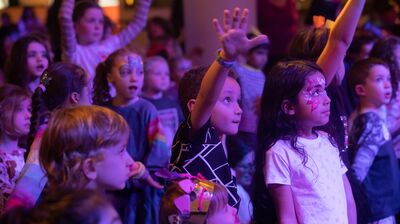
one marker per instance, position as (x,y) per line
(89,169)
(360,90)
(190,104)
(74,98)
(288,107)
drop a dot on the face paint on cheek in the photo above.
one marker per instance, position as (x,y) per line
(313,83)
(314,103)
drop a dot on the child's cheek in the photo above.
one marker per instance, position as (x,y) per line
(314,103)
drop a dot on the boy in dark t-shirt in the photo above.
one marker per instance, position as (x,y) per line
(210,100)
(374,165)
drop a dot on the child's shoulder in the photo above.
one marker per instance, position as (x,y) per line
(367,119)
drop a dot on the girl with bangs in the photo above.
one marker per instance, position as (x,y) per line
(15,114)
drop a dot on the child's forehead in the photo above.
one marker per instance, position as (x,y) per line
(231,85)
(132,59)
(314,80)
(378,69)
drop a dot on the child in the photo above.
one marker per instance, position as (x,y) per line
(156,82)
(124,71)
(301,166)
(29,57)
(387,49)
(327,47)
(194,200)
(82,32)
(67,206)
(251,79)
(374,163)
(210,100)
(15,114)
(61,85)
(241,159)
(85,147)
(179,66)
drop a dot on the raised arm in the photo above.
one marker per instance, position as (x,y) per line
(340,39)
(234,42)
(136,25)
(68,36)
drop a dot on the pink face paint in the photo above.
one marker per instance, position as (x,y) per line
(315,87)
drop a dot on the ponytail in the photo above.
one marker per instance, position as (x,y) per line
(101,90)
(39,116)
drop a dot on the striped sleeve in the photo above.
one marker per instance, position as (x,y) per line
(136,25)
(68,37)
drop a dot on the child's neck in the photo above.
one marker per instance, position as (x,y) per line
(367,106)
(153,95)
(8,144)
(121,101)
(307,132)
(33,84)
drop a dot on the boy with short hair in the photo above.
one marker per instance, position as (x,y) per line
(210,100)
(374,166)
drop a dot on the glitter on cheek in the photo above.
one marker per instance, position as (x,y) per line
(314,103)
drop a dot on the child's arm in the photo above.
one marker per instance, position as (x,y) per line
(234,42)
(340,39)
(283,200)
(68,35)
(136,25)
(351,205)
(371,137)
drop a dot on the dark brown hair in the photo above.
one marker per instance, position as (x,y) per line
(16,69)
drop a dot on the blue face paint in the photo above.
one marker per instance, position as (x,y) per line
(134,66)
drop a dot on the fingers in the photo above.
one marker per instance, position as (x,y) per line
(227,20)
(244,19)
(235,20)
(260,39)
(218,27)
(153,183)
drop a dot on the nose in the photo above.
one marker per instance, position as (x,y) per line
(128,160)
(388,84)
(238,109)
(327,100)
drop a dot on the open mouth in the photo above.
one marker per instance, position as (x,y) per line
(132,87)
(40,67)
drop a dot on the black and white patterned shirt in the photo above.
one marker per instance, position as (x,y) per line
(202,153)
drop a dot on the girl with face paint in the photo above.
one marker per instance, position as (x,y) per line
(297,164)
(124,71)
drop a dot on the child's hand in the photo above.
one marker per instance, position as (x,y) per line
(150,181)
(233,35)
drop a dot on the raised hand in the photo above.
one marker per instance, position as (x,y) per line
(233,34)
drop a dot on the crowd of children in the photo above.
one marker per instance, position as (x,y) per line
(111,136)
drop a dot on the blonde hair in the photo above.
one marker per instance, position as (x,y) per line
(148,63)
(73,135)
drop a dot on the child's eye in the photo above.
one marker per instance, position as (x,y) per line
(31,54)
(318,92)
(227,100)
(125,72)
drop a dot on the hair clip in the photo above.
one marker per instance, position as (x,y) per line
(45,79)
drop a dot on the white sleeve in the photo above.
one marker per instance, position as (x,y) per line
(276,169)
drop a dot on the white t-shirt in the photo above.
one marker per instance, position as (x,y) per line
(317,187)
